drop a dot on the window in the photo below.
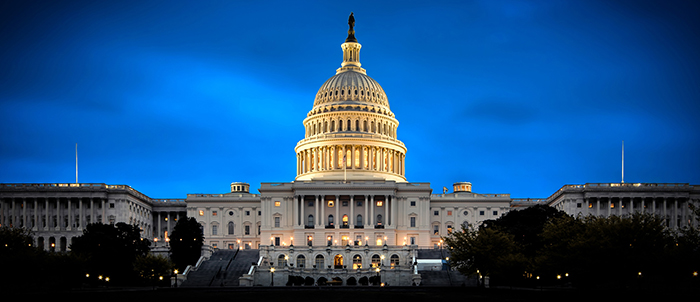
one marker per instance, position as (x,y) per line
(309,240)
(413,240)
(380,203)
(359,220)
(330,220)
(247,230)
(201,212)
(449,229)
(214,213)
(394,260)
(495,213)
(277,241)
(379,219)
(282,261)
(376,260)
(465,213)
(230,213)
(247,213)
(310,221)
(277,203)
(436,230)
(329,240)
(301,261)
(214,229)
(413,203)
(277,222)
(230,228)
(359,203)
(436,213)
(449,213)
(345,221)
(481,213)
(356,262)
(413,222)
(319,261)
(330,203)
(345,203)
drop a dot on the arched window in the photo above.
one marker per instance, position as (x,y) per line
(345,220)
(320,263)
(301,261)
(330,220)
(379,219)
(394,260)
(340,125)
(230,227)
(282,261)
(359,220)
(364,126)
(356,262)
(332,126)
(376,260)
(310,221)
(357,125)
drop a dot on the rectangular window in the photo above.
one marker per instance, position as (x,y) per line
(436,230)
(247,230)
(277,241)
(481,213)
(449,213)
(213,213)
(277,222)
(436,213)
(413,203)
(413,240)
(413,222)
(201,212)
(214,229)
(495,213)
(277,203)
(247,213)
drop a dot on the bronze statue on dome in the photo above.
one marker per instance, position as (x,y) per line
(351,31)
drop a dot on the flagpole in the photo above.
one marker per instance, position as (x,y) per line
(623,161)
(76,163)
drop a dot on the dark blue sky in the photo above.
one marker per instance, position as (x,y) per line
(517,97)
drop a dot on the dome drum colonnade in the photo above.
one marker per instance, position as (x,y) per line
(351,133)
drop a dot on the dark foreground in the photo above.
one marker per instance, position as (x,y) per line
(387,294)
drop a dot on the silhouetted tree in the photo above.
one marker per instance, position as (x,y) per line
(486,252)
(186,243)
(110,250)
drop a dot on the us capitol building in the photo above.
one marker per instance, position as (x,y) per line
(349,211)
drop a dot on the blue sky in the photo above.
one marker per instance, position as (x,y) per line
(519,97)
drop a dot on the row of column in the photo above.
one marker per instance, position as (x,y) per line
(370,211)
(351,157)
(16,213)
(616,208)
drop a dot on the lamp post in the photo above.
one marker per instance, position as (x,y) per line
(377,280)
(272,276)
(176,271)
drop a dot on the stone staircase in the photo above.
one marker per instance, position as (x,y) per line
(223,269)
(443,277)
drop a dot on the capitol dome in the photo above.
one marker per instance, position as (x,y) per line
(350,130)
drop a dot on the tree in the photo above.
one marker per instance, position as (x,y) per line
(487,252)
(151,268)
(526,225)
(110,250)
(186,243)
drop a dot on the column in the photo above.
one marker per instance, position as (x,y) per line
(317,212)
(351,219)
(367,204)
(370,219)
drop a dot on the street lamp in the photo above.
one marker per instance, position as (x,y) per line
(378,278)
(176,271)
(272,276)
